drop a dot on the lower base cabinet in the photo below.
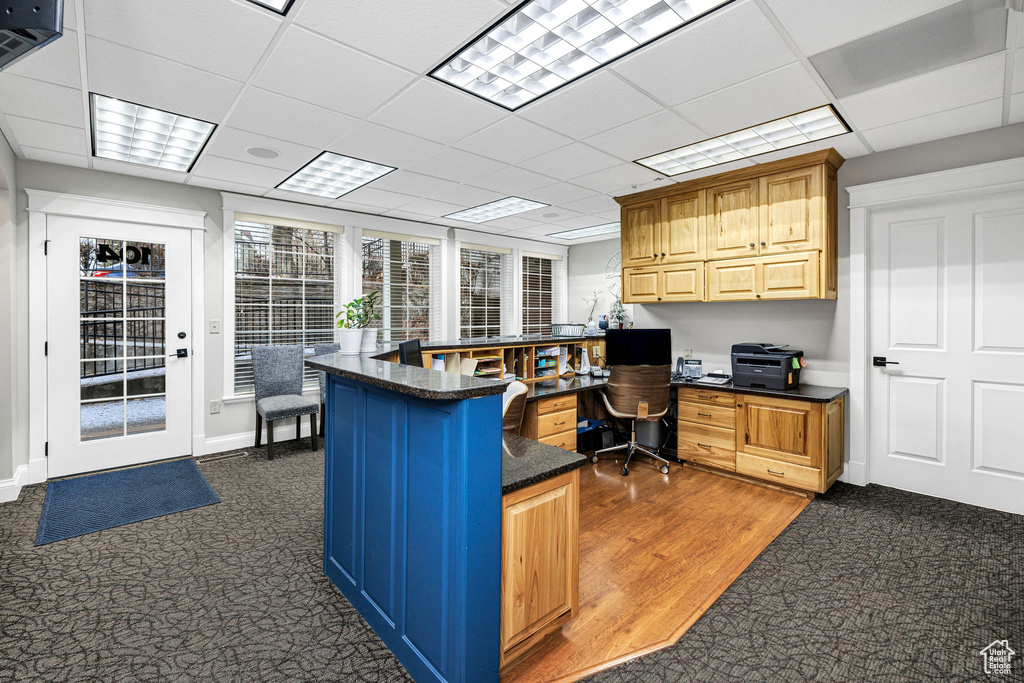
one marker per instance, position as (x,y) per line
(539,562)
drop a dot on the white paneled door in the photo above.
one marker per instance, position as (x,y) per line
(119,337)
(947,318)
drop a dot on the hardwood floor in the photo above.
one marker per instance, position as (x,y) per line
(655,552)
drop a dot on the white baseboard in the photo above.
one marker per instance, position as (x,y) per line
(10,488)
(855,473)
(233,442)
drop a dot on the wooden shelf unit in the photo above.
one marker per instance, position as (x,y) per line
(765,232)
(523,359)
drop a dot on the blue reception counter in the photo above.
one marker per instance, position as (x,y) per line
(412,511)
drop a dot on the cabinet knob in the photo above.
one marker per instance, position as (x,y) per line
(751,244)
(763,243)
(758,296)
(659,298)
(662,253)
(654,256)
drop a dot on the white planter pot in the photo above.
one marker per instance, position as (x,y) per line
(369,340)
(350,341)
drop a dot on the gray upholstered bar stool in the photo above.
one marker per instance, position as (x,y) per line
(323,350)
(277,371)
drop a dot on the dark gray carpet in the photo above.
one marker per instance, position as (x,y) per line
(868,584)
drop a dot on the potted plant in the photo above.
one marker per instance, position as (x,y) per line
(591,303)
(350,330)
(366,317)
(617,313)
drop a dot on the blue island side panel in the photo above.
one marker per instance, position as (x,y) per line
(412,524)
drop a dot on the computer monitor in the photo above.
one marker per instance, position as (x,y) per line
(638,347)
(409,353)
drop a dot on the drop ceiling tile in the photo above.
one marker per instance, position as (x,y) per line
(232,171)
(1018,71)
(45,101)
(225,38)
(57,63)
(958,86)
(730,45)
(372,26)
(1017,108)
(817,25)
(596,204)
(544,215)
(137,171)
(437,112)
(576,222)
(616,180)
(572,160)
(429,207)
(46,135)
(560,193)
(609,216)
(138,77)
(848,146)
(513,180)
(647,136)
(513,140)
(314,69)
(408,215)
(467,196)
(416,184)
(231,143)
(593,104)
(509,224)
(51,157)
(70,20)
(372,197)
(946,124)
(767,97)
(383,145)
(456,165)
(298,197)
(285,118)
(225,186)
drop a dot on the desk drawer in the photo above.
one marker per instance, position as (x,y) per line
(566,440)
(707,445)
(707,414)
(708,396)
(556,404)
(553,423)
(785,473)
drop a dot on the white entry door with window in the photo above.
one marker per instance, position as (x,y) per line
(947,348)
(119,338)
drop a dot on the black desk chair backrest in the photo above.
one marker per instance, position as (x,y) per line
(410,353)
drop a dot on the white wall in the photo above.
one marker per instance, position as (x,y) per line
(585,275)
(8,380)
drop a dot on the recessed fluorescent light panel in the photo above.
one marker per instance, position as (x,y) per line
(509,206)
(279,6)
(142,135)
(544,44)
(332,175)
(592,231)
(816,124)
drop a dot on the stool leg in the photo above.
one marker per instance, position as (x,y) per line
(270,440)
(298,427)
(323,417)
(312,430)
(259,429)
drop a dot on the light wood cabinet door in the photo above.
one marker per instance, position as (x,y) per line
(641,234)
(640,285)
(780,429)
(684,282)
(539,562)
(791,211)
(682,228)
(789,276)
(733,280)
(733,231)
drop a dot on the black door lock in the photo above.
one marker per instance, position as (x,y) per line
(182,335)
(180,353)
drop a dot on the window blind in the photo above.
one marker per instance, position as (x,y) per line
(284,292)
(481,292)
(407,275)
(538,286)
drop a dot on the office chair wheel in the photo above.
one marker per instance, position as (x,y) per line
(625,471)
(594,458)
(664,469)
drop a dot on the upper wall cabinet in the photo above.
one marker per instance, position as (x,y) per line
(760,233)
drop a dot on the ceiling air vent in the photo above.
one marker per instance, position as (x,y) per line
(26,26)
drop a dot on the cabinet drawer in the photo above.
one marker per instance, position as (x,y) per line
(708,445)
(566,440)
(553,423)
(555,404)
(785,473)
(708,396)
(708,414)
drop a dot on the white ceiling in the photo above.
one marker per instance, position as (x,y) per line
(351,78)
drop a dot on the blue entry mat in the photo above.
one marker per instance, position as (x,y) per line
(74,507)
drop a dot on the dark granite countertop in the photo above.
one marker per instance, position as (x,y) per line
(407,379)
(811,393)
(487,342)
(559,386)
(525,462)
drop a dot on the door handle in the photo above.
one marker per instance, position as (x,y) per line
(180,353)
(881,362)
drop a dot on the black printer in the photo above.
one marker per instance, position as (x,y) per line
(769,366)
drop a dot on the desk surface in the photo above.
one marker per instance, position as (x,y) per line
(525,462)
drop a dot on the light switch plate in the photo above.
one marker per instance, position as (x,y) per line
(215,406)
(214,327)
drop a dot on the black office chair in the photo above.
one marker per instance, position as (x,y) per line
(410,353)
(637,392)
